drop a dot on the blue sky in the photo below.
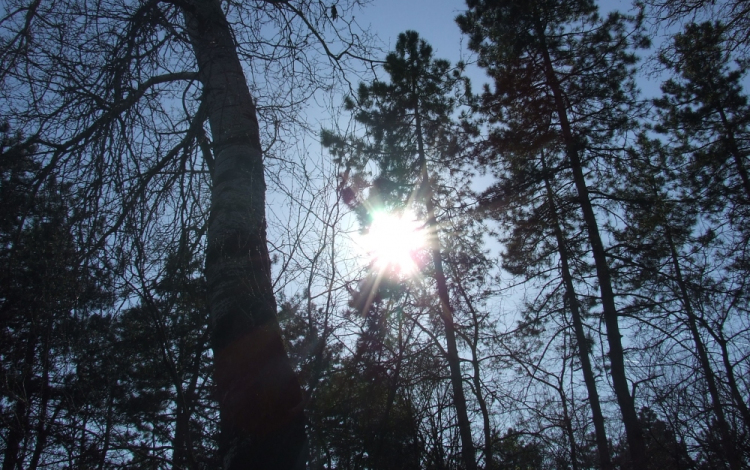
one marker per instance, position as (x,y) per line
(434,21)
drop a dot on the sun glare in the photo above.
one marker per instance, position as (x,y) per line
(394,240)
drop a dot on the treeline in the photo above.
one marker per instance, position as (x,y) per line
(588,308)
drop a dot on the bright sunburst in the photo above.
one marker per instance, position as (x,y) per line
(394,240)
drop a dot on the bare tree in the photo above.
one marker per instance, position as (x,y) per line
(116,95)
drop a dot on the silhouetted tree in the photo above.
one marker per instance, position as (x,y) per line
(410,137)
(144,109)
(563,80)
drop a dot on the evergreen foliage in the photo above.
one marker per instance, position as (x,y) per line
(180,285)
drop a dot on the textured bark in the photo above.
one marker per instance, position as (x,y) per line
(260,401)
(583,348)
(625,401)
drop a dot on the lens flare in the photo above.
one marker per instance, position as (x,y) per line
(394,240)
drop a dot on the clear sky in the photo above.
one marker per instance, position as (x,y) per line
(432,19)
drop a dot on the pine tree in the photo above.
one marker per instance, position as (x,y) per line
(411,140)
(705,114)
(661,241)
(540,227)
(563,77)
(97,83)
(44,287)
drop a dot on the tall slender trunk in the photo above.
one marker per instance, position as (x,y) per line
(742,171)
(182,453)
(625,401)
(42,429)
(724,430)
(737,396)
(446,312)
(583,347)
(108,425)
(454,364)
(20,422)
(735,151)
(260,401)
(185,405)
(567,421)
(391,398)
(489,463)
(180,446)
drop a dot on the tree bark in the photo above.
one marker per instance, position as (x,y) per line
(625,401)
(737,396)
(20,422)
(583,347)
(713,390)
(446,312)
(260,401)
(734,150)
(489,463)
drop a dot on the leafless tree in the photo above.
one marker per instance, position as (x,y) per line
(144,107)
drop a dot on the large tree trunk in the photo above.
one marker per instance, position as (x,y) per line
(625,401)
(583,347)
(260,401)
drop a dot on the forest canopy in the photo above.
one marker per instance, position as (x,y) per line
(247,235)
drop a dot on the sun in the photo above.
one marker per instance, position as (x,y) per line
(394,240)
